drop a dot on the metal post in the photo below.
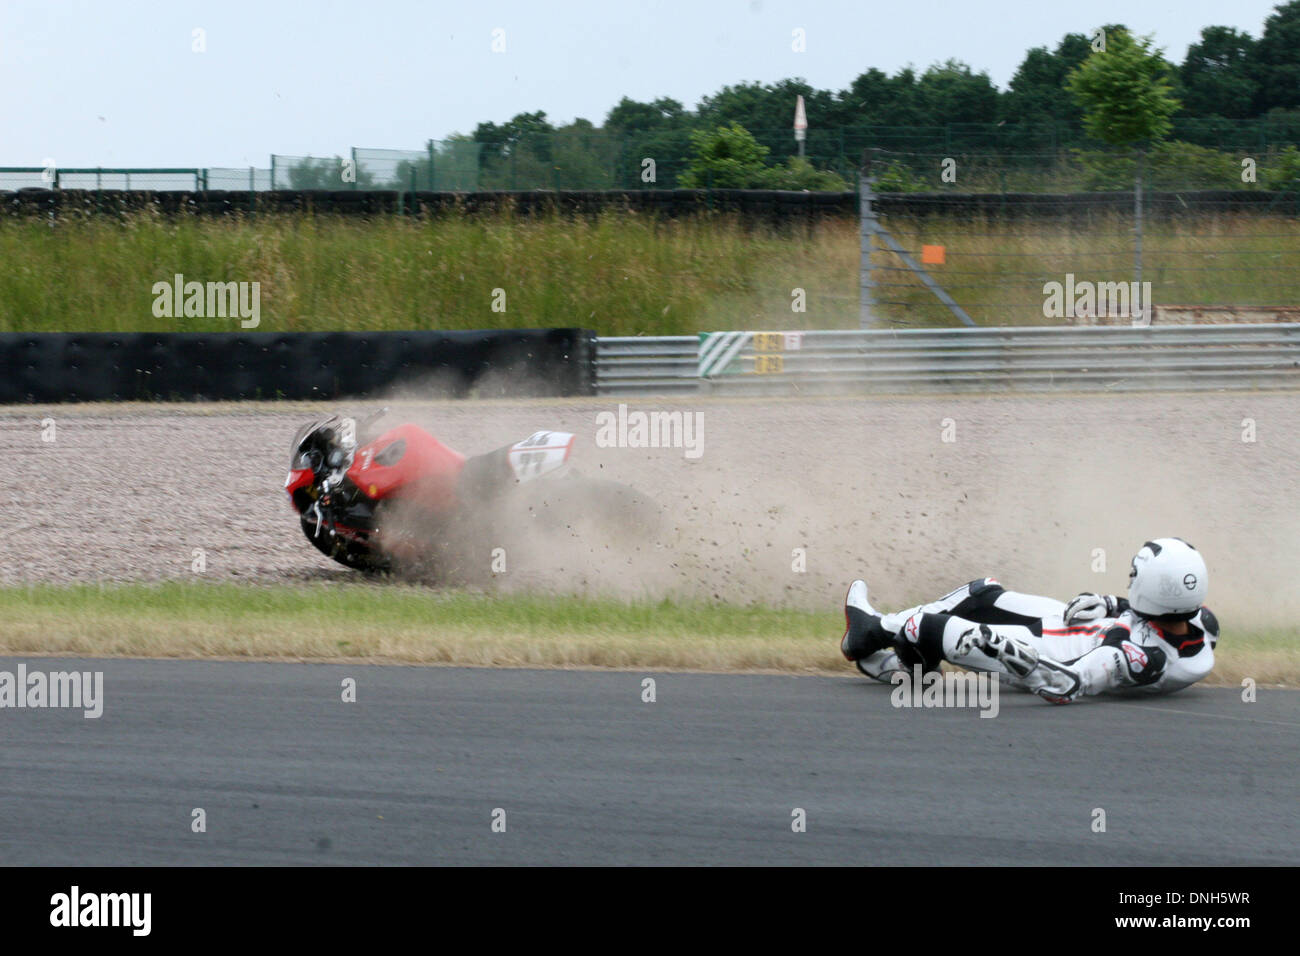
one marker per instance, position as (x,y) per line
(867,226)
(273,170)
(432,187)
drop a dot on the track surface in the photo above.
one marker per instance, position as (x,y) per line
(588,773)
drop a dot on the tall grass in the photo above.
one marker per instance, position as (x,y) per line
(997,269)
(619,273)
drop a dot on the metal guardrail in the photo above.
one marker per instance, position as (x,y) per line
(1100,359)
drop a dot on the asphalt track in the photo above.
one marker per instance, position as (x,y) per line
(588,773)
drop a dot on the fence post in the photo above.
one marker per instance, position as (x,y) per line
(273,170)
(432,187)
(867,225)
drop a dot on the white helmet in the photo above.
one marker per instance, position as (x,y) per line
(1168,579)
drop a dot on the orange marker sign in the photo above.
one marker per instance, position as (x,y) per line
(932,255)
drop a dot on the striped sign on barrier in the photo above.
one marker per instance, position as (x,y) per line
(719,349)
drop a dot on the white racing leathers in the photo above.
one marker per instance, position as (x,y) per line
(972,626)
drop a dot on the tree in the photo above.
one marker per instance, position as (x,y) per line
(1218,74)
(322,173)
(518,153)
(583,156)
(767,111)
(500,141)
(658,131)
(950,93)
(629,116)
(876,99)
(1127,100)
(1125,92)
(1037,93)
(1277,60)
(727,157)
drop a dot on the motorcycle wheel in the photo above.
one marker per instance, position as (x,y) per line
(345,553)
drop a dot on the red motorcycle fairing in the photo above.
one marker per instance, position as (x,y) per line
(408,461)
(298,478)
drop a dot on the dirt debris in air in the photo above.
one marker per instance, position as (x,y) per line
(786,502)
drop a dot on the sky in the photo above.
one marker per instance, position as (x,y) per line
(122,84)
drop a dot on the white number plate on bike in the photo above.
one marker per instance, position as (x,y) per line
(539,454)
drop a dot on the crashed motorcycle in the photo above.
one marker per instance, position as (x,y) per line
(403,501)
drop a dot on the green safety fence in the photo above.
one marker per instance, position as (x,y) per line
(1012,157)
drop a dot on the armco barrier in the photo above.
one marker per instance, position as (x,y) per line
(1092,359)
(107,366)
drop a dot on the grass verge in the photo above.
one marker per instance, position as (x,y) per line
(393,623)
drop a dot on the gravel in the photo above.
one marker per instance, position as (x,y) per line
(788,501)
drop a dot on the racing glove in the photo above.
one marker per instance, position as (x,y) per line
(1090,607)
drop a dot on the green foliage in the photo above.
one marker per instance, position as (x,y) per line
(898,178)
(1035,94)
(1168,165)
(1277,60)
(725,158)
(1125,92)
(1177,165)
(799,174)
(1282,170)
(1131,93)
(951,89)
(1217,74)
(729,157)
(631,116)
(767,107)
(322,173)
(1174,165)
